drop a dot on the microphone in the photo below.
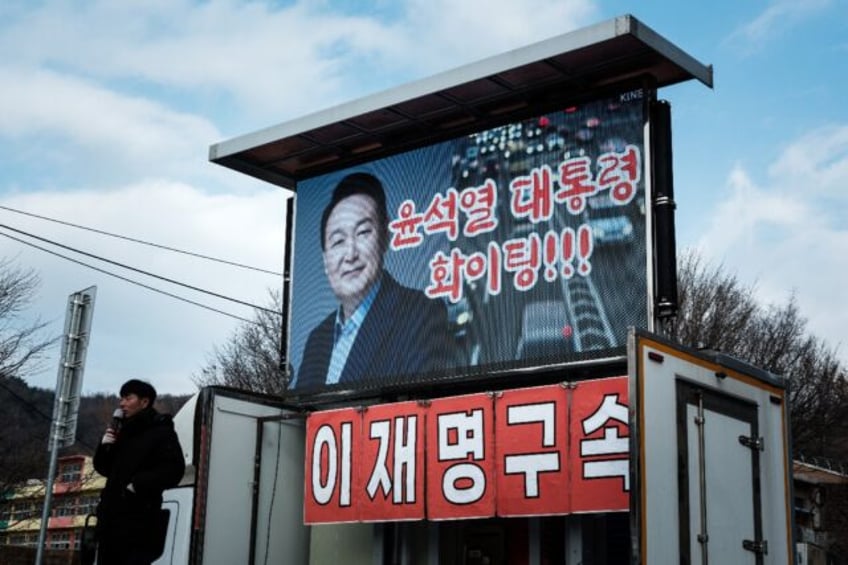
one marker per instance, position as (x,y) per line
(117,420)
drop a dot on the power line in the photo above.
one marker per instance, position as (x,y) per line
(131,281)
(137,270)
(141,241)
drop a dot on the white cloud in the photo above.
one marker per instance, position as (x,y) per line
(138,332)
(779,16)
(159,82)
(84,127)
(442,33)
(789,235)
(274,61)
(819,160)
(747,209)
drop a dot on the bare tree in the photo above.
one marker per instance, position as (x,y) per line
(720,313)
(23,430)
(21,344)
(251,358)
(716,310)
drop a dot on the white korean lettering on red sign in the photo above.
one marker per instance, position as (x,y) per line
(330,470)
(599,426)
(392,461)
(531,443)
(461,459)
(609,444)
(465,456)
(530,465)
(409,461)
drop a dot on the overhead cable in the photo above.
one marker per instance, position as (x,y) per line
(131,281)
(143,272)
(141,241)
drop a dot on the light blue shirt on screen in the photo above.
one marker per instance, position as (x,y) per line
(346,332)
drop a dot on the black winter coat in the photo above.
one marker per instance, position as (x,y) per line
(147,455)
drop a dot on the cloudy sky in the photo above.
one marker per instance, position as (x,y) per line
(109,108)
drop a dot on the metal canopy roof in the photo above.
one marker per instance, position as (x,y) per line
(463,100)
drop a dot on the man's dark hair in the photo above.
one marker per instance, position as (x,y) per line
(139,388)
(359,183)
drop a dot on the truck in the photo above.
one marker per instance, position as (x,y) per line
(709,472)
(241,497)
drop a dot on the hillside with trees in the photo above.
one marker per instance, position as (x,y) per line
(25,427)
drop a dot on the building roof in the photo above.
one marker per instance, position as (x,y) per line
(89,481)
(818,474)
(463,100)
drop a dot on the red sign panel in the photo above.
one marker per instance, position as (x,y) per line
(599,455)
(528,452)
(532,441)
(461,458)
(330,468)
(391,464)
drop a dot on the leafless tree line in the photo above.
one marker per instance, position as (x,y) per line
(719,312)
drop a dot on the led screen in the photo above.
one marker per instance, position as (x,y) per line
(519,246)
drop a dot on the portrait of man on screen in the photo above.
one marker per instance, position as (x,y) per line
(380,328)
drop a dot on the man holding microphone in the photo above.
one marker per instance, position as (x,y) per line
(140,456)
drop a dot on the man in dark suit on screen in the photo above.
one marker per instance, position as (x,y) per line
(381,329)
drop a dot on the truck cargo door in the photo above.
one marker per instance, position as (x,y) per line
(710,458)
(720,502)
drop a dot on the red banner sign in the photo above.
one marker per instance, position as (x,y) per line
(330,468)
(532,464)
(599,460)
(528,452)
(392,460)
(461,458)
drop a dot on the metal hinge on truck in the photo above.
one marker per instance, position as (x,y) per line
(756,443)
(760,547)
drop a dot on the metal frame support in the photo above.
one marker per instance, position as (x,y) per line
(63,428)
